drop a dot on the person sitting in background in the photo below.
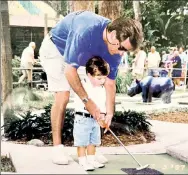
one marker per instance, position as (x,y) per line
(87,133)
(27,62)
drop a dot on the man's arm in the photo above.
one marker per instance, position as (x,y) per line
(110,86)
(75,83)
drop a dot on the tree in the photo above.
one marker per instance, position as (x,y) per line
(137,10)
(110,9)
(164,26)
(56,5)
(6,53)
(82,5)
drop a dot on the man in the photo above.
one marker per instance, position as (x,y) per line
(27,61)
(138,65)
(75,39)
(153,60)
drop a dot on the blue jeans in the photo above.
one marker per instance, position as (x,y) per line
(86,131)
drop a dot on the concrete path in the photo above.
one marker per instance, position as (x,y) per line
(123,102)
(170,138)
(36,160)
(163,163)
(174,138)
(179,151)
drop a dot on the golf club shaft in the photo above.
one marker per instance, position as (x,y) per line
(124,146)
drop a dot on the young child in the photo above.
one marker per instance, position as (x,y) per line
(86,132)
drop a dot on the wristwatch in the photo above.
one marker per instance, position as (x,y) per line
(85,100)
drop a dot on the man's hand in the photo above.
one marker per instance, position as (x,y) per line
(105,121)
(93,109)
(108,120)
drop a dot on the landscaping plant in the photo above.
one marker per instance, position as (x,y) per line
(122,81)
(33,126)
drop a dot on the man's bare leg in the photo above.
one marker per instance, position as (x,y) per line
(58,115)
(57,119)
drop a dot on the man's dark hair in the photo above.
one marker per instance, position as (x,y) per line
(127,28)
(96,66)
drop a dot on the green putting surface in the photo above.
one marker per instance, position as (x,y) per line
(163,163)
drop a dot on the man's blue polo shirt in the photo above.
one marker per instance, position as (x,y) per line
(79,36)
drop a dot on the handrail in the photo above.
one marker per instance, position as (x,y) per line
(121,68)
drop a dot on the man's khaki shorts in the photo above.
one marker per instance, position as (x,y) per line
(54,65)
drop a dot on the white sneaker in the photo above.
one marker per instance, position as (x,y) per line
(96,164)
(58,155)
(87,166)
(101,159)
(84,163)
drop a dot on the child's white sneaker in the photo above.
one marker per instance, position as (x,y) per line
(83,162)
(58,155)
(96,164)
(101,159)
(91,159)
(87,166)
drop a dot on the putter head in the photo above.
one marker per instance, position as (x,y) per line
(142,167)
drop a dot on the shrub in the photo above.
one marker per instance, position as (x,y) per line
(33,126)
(9,118)
(29,127)
(133,121)
(121,81)
(16,73)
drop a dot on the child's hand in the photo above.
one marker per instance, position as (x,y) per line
(105,121)
(101,120)
(102,123)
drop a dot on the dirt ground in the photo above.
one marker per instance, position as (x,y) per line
(175,117)
(139,138)
(108,139)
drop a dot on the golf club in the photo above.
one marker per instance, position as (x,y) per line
(140,166)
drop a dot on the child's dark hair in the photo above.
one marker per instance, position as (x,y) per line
(96,66)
